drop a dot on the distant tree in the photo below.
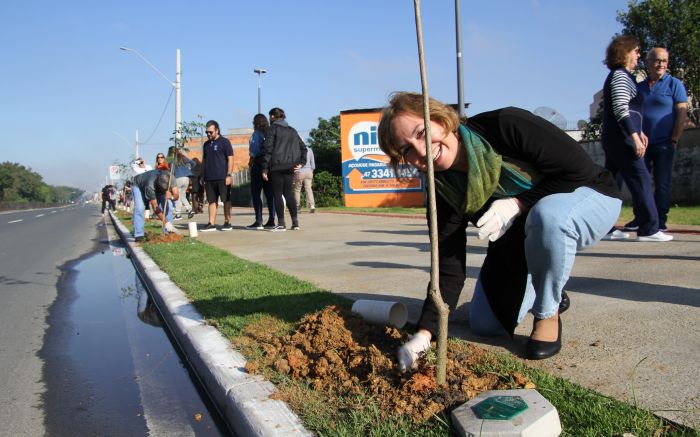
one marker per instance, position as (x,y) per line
(20,184)
(672,24)
(325,141)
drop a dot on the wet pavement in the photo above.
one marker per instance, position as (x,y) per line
(109,366)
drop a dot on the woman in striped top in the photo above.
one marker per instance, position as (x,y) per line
(622,137)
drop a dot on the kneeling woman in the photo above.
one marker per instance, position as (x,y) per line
(528,187)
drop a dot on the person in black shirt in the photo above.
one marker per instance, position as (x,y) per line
(528,187)
(283,153)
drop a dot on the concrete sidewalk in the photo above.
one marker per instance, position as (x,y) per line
(633,330)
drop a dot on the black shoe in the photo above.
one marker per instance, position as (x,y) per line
(178,217)
(279,228)
(256,226)
(226,227)
(140,239)
(565,302)
(631,226)
(269,225)
(190,214)
(539,350)
(208,228)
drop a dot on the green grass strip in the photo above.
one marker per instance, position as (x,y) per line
(231,292)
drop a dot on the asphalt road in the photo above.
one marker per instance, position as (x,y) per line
(82,349)
(34,244)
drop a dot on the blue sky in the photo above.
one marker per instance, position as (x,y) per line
(71,101)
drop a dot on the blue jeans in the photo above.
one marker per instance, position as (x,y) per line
(257,186)
(659,161)
(139,209)
(556,227)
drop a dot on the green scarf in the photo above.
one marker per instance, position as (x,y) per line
(489,175)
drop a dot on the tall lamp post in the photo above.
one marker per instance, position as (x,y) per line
(175,85)
(460,82)
(260,72)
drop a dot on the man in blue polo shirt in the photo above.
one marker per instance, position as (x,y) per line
(217,169)
(665,108)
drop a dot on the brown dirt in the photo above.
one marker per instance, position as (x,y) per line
(160,238)
(337,353)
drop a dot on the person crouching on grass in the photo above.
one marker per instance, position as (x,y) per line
(147,187)
(527,187)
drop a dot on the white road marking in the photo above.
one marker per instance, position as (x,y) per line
(15,221)
(40,215)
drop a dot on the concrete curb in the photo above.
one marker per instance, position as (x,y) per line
(243,399)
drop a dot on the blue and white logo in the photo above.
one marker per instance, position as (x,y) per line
(362,139)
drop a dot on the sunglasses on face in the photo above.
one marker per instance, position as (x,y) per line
(160,157)
(210,132)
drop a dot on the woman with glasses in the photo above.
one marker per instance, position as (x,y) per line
(623,141)
(161,162)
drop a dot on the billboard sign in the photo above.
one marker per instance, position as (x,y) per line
(368,178)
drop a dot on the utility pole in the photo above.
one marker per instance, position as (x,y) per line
(460,83)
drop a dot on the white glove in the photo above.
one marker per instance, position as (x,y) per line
(498,219)
(413,349)
(169,227)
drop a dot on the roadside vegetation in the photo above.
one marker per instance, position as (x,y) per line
(238,296)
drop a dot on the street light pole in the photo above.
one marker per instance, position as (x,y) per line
(260,72)
(460,83)
(176,84)
(178,110)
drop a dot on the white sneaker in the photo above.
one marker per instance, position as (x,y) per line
(617,235)
(659,236)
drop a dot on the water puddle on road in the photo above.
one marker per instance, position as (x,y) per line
(110,367)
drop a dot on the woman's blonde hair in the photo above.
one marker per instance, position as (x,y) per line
(411,103)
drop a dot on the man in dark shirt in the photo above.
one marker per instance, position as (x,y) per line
(217,169)
(146,189)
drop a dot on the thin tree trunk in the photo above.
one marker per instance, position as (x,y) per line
(443,309)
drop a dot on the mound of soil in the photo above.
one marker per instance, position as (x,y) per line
(338,353)
(160,238)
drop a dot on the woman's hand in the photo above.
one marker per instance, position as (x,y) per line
(639,146)
(498,218)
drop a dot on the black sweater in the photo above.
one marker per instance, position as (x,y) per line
(283,148)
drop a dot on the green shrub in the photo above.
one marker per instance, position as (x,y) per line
(328,189)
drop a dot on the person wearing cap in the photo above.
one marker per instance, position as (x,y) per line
(146,188)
